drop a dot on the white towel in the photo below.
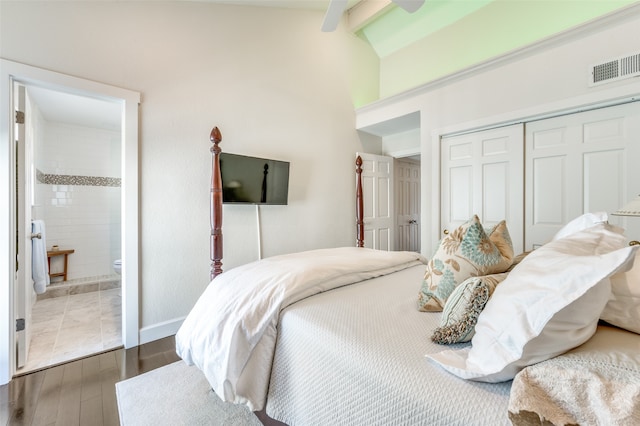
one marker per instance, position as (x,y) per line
(39,259)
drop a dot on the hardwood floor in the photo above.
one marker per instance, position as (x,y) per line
(80,392)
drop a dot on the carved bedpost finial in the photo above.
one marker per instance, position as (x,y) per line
(359,204)
(216,136)
(216,206)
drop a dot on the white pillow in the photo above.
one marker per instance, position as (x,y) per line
(623,307)
(580,223)
(548,304)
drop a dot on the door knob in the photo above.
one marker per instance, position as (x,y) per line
(412,221)
(445,232)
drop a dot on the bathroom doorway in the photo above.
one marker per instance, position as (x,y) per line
(123,201)
(75,185)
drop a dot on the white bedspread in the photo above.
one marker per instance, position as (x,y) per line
(231,332)
(355,356)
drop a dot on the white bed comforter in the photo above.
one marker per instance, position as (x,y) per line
(230,334)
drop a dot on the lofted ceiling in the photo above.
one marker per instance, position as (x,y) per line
(82,111)
(390,31)
(287,4)
(395,29)
(382,23)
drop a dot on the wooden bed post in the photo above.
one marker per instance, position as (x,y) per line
(215,210)
(359,204)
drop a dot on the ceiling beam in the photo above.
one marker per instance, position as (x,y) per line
(366,11)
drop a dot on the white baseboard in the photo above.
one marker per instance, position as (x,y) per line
(160,330)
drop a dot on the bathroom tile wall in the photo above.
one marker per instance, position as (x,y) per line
(80,208)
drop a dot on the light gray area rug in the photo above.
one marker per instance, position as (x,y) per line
(176,394)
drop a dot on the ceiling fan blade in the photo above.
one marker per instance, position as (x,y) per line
(334,13)
(409,5)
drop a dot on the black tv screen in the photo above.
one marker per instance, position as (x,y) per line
(252,180)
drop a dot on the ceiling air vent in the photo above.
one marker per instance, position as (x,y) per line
(615,69)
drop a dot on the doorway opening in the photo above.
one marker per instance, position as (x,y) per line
(407,203)
(391,202)
(13,75)
(75,190)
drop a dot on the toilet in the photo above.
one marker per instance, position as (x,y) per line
(117,266)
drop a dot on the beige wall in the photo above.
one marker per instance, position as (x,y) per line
(274,84)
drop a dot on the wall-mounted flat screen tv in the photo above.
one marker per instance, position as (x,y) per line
(252,180)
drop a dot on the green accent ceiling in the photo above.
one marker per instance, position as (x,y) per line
(446,36)
(397,29)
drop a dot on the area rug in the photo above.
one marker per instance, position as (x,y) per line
(176,394)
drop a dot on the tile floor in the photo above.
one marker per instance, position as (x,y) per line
(73,326)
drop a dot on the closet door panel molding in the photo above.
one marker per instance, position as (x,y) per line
(546,195)
(578,163)
(495,191)
(459,198)
(481,173)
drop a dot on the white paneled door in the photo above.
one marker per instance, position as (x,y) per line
(578,163)
(377,189)
(407,190)
(481,173)
(24,186)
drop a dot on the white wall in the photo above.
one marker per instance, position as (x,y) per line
(274,84)
(493,29)
(402,144)
(84,216)
(548,77)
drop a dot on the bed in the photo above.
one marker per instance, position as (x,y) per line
(347,336)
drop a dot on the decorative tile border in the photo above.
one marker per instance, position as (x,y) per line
(52,179)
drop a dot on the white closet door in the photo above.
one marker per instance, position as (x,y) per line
(585,162)
(482,174)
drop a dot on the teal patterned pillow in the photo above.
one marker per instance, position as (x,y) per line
(466,252)
(463,307)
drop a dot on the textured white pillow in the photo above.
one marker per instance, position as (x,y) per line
(623,307)
(548,304)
